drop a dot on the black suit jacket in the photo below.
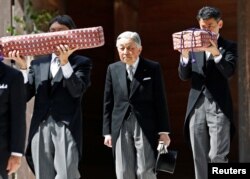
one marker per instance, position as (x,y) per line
(12,112)
(213,76)
(146,99)
(60,97)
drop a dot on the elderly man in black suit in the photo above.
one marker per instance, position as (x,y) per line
(135,110)
(57,81)
(12,120)
(209,117)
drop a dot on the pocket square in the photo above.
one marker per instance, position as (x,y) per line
(147,78)
(3,86)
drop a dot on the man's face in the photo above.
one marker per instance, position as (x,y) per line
(128,50)
(211,25)
(57,27)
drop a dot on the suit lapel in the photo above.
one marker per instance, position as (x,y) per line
(199,56)
(137,78)
(221,43)
(122,77)
(45,69)
(56,80)
(1,69)
(58,77)
(45,74)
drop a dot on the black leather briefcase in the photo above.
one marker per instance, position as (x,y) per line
(166,162)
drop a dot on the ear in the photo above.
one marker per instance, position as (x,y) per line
(220,23)
(140,50)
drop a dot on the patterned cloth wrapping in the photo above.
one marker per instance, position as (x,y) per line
(45,43)
(193,39)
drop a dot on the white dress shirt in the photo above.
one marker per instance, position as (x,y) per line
(67,70)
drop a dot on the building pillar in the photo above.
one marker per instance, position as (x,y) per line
(244,79)
(5,12)
(8,11)
(126,15)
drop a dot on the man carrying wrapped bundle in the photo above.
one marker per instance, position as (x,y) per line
(57,81)
(209,117)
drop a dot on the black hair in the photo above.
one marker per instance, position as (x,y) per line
(208,12)
(64,20)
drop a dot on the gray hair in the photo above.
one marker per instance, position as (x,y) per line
(130,35)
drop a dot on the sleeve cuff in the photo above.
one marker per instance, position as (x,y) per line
(163,133)
(217,58)
(67,70)
(107,136)
(16,154)
(184,61)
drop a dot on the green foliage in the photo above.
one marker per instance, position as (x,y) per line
(20,23)
(41,20)
(33,21)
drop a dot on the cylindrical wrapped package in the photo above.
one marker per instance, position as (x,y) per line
(45,43)
(193,39)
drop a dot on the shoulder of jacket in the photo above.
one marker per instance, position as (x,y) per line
(150,62)
(79,59)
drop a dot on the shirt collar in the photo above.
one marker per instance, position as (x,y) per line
(53,56)
(135,64)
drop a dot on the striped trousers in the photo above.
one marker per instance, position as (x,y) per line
(134,157)
(54,152)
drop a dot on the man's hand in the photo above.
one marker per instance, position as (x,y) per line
(164,142)
(108,141)
(14,163)
(213,49)
(64,52)
(165,139)
(20,61)
(184,52)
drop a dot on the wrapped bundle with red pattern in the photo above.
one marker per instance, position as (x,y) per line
(193,39)
(45,43)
